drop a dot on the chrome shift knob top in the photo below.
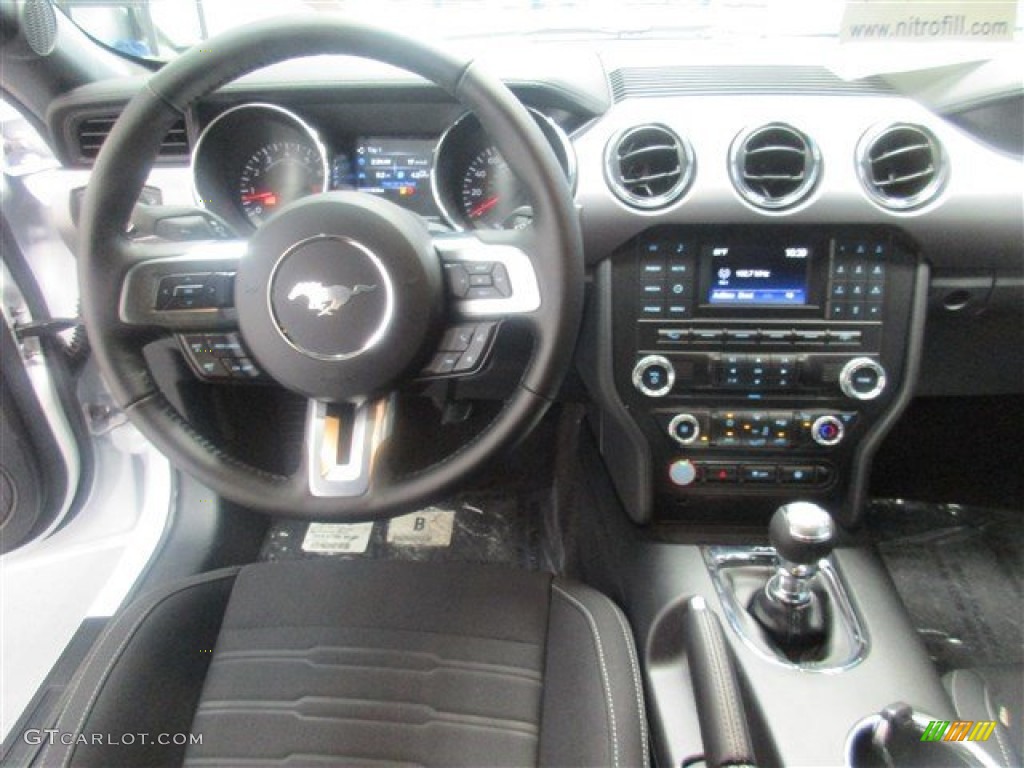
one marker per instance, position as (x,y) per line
(802,532)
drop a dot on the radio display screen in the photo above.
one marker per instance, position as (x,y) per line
(757,274)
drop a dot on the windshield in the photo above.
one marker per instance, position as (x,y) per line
(161,29)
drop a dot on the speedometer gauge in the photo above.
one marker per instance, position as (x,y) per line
(277,174)
(490,194)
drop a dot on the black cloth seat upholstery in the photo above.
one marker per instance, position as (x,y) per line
(366,663)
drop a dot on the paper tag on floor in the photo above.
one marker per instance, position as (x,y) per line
(430,527)
(337,538)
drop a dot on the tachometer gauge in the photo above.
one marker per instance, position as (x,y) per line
(277,174)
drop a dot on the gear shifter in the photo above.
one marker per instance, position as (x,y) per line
(789,609)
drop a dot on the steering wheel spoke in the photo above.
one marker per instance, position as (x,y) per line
(179,287)
(344,444)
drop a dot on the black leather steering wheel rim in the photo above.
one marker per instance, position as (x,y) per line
(553,242)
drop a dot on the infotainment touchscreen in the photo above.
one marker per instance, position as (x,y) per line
(751,274)
(398,169)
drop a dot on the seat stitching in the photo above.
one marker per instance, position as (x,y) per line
(635,666)
(596,634)
(117,655)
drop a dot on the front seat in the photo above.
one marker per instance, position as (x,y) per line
(324,662)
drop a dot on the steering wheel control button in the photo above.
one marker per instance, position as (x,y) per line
(219,356)
(684,428)
(827,430)
(682,473)
(862,379)
(464,350)
(654,376)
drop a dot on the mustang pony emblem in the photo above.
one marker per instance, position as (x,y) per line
(324,299)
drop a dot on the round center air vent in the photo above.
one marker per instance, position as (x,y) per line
(901,166)
(648,166)
(774,166)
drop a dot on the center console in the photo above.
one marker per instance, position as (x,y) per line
(752,364)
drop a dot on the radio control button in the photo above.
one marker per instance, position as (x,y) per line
(654,376)
(682,472)
(651,309)
(684,428)
(776,336)
(707,335)
(652,289)
(673,335)
(680,268)
(843,338)
(741,336)
(874,312)
(652,266)
(678,309)
(837,312)
(804,336)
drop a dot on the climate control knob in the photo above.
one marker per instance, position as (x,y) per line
(862,379)
(827,430)
(654,376)
(684,428)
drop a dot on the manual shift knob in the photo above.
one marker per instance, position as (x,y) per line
(802,533)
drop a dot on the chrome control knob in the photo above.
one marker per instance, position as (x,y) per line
(684,428)
(862,379)
(827,430)
(654,376)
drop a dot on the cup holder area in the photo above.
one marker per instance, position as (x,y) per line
(893,739)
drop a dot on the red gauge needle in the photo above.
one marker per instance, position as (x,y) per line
(484,207)
(267,198)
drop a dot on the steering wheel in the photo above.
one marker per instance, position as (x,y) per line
(340,297)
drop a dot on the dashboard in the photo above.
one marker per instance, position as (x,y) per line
(252,159)
(778,258)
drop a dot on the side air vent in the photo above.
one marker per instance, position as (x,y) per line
(774,166)
(648,166)
(901,166)
(91,132)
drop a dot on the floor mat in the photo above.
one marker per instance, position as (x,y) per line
(960,573)
(486,527)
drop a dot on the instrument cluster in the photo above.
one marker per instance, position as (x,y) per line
(254,159)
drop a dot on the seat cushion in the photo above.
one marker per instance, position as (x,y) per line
(364,663)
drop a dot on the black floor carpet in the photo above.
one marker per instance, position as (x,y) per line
(960,572)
